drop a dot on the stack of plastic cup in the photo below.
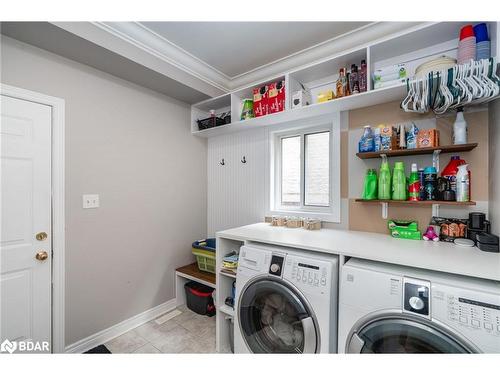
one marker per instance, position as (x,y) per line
(482,42)
(466,45)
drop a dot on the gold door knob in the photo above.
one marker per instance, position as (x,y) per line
(41,236)
(41,255)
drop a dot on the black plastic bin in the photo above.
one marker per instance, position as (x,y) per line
(210,122)
(199,298)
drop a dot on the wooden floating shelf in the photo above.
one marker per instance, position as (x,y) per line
(191,271)
(418,151)
(417,203)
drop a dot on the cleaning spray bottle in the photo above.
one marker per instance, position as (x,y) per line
(463,182)
(384,180)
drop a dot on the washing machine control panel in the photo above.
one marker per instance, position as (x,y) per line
(474,313)
(276,265)
(309,272)
(416,296)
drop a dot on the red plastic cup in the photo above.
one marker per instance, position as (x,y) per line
(466,32)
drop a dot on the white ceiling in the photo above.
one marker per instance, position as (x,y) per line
(234,48)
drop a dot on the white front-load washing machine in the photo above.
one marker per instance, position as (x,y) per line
(285,301)
(386,308)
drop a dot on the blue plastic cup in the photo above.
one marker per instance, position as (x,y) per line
(481,31)
(483,50)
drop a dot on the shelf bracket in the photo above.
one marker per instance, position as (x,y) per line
(435,210)
(385,210)
(435,159)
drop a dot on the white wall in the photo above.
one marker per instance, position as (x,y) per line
(134,148)
(494,166)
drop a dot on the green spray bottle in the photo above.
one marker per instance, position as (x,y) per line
(384,180)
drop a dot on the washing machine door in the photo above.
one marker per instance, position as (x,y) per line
(404,335)
(274,317)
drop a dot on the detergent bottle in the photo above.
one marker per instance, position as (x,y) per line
(384,181)
(370,188)
(399,182)
(450,171)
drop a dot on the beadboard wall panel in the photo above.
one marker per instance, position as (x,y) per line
(236,190)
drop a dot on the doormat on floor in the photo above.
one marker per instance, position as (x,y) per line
(101,349)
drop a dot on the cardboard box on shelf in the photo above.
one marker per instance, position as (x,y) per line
(260,101)
(301,98)
(272,94)
(281,95)
(388,137)
(427,138)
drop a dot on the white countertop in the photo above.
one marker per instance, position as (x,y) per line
(437,256)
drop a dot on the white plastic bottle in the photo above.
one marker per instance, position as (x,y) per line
(460,128)
(463,184)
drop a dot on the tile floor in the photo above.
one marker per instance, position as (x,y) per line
(185,333)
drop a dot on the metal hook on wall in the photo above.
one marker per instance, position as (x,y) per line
(222,162)
(244,160)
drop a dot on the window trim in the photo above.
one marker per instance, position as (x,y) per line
(329,214)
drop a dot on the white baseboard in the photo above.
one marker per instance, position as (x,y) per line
(110,333)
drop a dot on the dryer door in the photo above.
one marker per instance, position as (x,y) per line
(274,317)
(404,335)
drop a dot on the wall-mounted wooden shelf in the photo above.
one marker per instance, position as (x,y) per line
(418,203)
(418,151)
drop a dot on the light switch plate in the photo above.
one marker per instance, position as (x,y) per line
(90,200)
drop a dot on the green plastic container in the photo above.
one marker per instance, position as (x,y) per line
(205,260)
(370,187)
(399,189)
(384,181)
(204,251)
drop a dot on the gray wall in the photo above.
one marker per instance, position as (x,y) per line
(134,148)
(494,165)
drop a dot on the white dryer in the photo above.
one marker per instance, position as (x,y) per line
(386,308)
(285,301)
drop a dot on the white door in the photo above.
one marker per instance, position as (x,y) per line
(25,263)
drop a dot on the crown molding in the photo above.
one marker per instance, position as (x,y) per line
(353,40)
(144,53)
(153,43)
(144,46)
